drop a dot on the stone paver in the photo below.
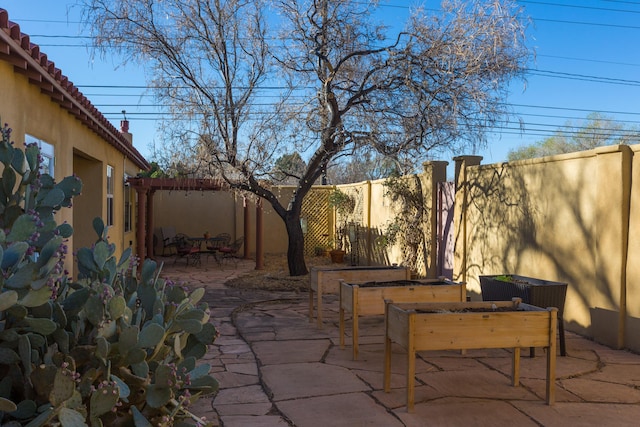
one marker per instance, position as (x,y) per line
(253,421)
(464,412)
(581,414)
(296,380)
(276,369)
(291,351)
(338,410)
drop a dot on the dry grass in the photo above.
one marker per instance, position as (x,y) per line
(275,275)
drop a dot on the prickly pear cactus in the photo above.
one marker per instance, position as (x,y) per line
(118,346)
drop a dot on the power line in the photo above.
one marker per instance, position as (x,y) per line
(517,113)
(575,6)
(585,110)
(595,24)
(534,72)
(584,77)
(599,61)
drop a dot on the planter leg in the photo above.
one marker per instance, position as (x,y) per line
(411,378)
(341,327)
(354,320)
(411,364)
(319,306)
(563,348)
(515,367)
(355,336)
(387,364)
(551,358)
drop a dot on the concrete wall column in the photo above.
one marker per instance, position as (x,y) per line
(460,217)
(613,180)
(434,173)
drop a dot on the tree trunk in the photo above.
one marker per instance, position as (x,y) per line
(295,252)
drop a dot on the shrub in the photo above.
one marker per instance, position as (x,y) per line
(117,346)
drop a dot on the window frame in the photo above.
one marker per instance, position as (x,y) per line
(109,193)
(47,152)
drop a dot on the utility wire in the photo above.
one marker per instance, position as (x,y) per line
(575,6)
(541,73)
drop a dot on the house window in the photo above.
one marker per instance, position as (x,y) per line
(46,152)
(109,195)
(127,204)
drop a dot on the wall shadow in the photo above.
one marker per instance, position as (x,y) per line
(540,219)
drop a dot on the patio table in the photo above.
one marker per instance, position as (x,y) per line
(212,246)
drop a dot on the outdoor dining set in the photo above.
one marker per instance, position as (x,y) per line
(193,249)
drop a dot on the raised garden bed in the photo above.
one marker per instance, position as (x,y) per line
(471,325)
(367,298)
(538,292)
(326,280)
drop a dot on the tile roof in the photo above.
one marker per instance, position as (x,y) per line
(26,58)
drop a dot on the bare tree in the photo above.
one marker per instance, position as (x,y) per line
(335,80)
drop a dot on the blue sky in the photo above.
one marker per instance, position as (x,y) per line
(588,59)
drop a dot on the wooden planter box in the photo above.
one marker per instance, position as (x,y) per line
(326,280)
(473,325)
(538,292)
(368,298)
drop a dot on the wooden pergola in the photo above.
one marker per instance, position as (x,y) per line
(146,188)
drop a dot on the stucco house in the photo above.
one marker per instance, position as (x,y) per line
(42,105)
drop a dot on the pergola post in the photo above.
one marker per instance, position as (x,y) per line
(259,246)
(149,228)
(245,224)
(141,222)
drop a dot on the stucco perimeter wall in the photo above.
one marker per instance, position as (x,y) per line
(194,212)
(376,208)
(561,218)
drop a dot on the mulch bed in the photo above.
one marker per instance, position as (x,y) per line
(275,275)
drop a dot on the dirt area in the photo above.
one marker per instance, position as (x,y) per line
(275,275)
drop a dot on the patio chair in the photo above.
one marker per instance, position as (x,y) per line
(231,252)
(214,244)
(169,243)
(187,248)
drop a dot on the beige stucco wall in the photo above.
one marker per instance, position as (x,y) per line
(561,218)
(77,150)
(194,212)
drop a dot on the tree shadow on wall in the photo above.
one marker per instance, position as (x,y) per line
(534,219)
